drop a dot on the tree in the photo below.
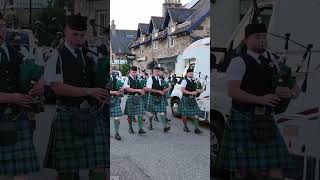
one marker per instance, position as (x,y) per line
(124,69)
(49,22)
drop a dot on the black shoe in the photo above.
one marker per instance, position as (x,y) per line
(166,129)
(131,131)
(141,131)
(186,129)
(168,120)
(117,136)
(150,127)
(197,131)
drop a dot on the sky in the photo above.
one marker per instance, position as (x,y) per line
(128,13)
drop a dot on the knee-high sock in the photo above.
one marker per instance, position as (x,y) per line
(184,120)
(140,123)
(195,122)
(116,124)
(130,119)
(150,118)
(163,119)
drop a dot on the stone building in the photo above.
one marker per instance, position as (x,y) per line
(166,37)
(119,41)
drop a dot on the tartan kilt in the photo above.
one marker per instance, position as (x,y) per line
(115,107)
(239,151)
(187,108)
(20,158)
(145,100)
(67,152)
(134,107)
(152,107)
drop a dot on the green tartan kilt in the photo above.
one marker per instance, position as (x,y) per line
(134,106)
(152,107)
(189,107)
(239,151)
(145,100)
(115,107)
(20,158)
(68,152)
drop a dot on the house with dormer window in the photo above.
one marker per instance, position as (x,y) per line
(168,36)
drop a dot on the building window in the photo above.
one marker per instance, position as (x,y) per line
(155,35)
(172,29)
(155,44)
(141,49)
(102,21)
(171,41)
(129,36)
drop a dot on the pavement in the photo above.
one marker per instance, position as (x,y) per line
(176,155)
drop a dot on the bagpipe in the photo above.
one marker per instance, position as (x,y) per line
(201,86)
(284,77)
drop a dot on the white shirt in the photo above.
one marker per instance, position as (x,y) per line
(237,67)
(184,82)
(4,46)
(150,81)
(50,73)
(126,82)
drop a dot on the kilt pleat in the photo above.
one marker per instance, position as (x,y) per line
(239,151)
(134,106)
(189,107)
(115,108)
(153,107)
(68,152)
(20,158)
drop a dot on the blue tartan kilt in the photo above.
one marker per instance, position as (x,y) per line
(189,107)
(20,158)
(239,151)
(115,107)
(152,106)
(68,152)
(134,106)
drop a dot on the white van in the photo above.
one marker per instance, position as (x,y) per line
(197,56)
(299,124)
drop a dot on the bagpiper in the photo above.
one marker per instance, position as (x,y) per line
(189,107)
(252,146)
(18,157)
(167,87)
(156,101)
(78,138)
(116,92)
(134,104)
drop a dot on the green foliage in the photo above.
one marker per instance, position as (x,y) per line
(124,69)
(47,29)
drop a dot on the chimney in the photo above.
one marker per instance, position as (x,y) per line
(170,4)
(113,25)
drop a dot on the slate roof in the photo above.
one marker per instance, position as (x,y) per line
(120,39)
(143,28)
(178,15)
(156,23)
(197,17)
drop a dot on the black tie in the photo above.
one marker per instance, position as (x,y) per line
(79,56)
(263,60)
(4,58)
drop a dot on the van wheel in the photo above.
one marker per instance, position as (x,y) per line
(175,108)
